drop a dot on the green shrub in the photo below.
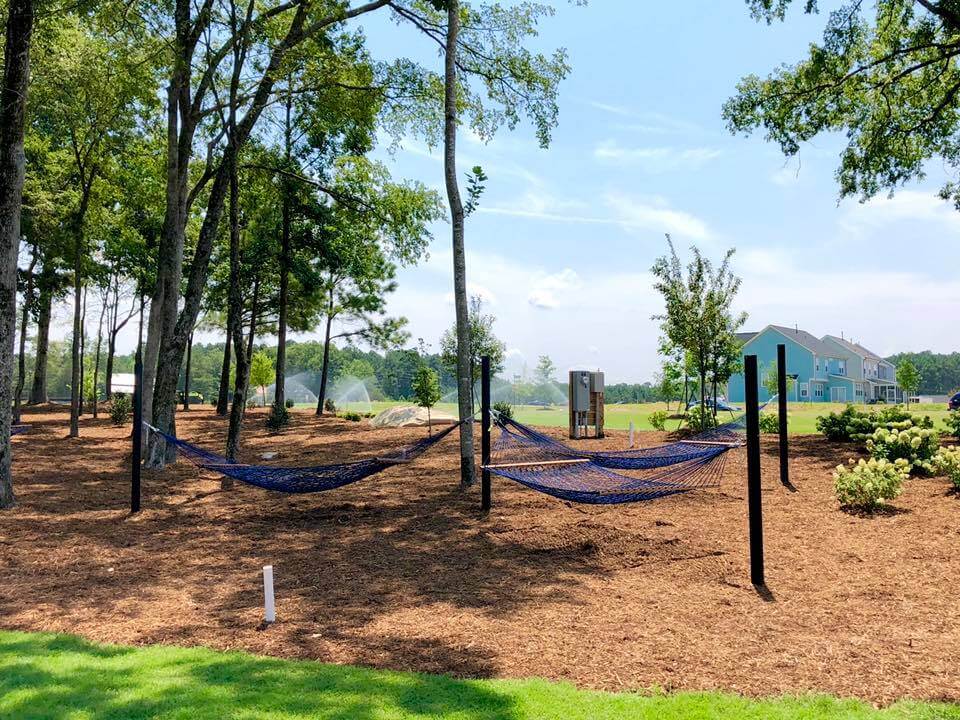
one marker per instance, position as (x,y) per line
(658,420)
(329,406)
(505,409)
(917,446)
(121,408)
(700,418)
(289,403)
(868,484)
(953,422)
(279,417)
(947,462)
(839,426)
(769,423)
(352,416)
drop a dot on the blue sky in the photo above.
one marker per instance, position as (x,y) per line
(564,239)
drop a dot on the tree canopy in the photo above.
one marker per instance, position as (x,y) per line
(885,74)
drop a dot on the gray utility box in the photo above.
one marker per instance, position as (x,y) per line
(586,403)
(580,390)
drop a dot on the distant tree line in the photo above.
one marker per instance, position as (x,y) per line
(939,372)
(390,375)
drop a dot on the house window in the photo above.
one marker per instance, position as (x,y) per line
(818,390)
(803,390)
(817,360)
(842,367)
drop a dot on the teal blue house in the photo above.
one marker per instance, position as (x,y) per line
(828,369)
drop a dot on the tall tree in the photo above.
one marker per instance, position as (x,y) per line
(90,89)
(270,34)
(464,370)
(885,75)
(13,107)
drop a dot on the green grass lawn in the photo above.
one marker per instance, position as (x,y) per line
(60,677)
(803,416)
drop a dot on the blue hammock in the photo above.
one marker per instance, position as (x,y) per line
(547,465)
(703,445)
(302,479)
(17,429)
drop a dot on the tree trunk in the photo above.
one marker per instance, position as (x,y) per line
(75,390)
(223,392)
(38,390)
(96,360)
(164,301)
(13,102)
(464,370)
(186,374)
(242,370)
(322,395)
(279,393)
(83,352)
(24,321)
(254,317)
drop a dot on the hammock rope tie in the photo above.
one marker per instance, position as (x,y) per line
(316,478)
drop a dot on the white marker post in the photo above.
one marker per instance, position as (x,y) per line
(631,433)
(269,612)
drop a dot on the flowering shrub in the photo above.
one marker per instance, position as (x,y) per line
(947,462)
(903,441)
(853,424)
(868,484)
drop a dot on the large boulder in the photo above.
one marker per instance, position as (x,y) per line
(411,416)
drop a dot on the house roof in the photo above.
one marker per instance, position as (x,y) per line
(854,347)
(809,341)
(744,337)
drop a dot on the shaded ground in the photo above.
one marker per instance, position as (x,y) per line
(400,571)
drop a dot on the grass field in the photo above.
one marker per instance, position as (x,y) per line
(803,416)
(55,677)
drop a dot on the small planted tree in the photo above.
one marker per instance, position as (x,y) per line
(426,390)
(261,372)
(908,377)
(770,381)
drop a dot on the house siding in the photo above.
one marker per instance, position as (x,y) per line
(829,370)
(764,346)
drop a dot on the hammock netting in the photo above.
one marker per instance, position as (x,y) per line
(17,429)
(316,478)
(604,477)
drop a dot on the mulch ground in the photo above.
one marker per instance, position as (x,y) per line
(401,571)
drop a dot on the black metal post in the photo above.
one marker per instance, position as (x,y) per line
(782,411)
(137,420)
(754,503)
(485,432)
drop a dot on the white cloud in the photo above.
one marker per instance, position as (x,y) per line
(907,205)
(551,291)
(655,214)
(655,159)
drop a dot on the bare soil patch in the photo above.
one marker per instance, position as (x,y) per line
(401,570)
